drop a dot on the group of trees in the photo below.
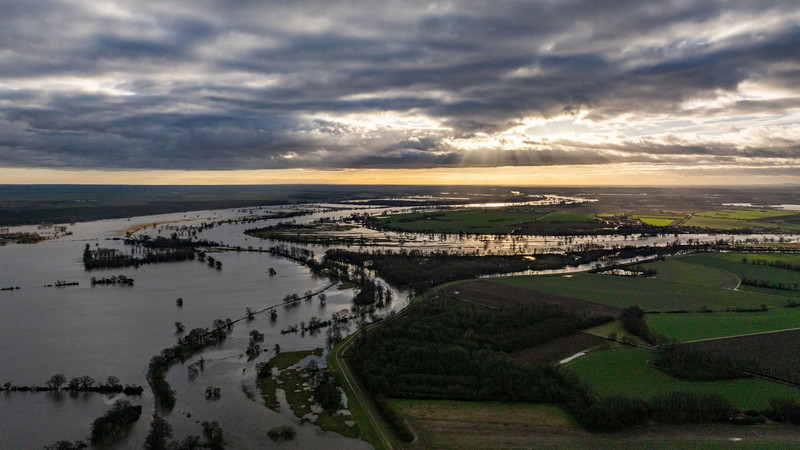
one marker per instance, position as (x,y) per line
(759,282)
(325,391)
(254,345)
(161,431)
(110,427)
(781,264)
(296,253)
(282,433)
(150,250)
(370,293)
(85,383)
(616,412)
(102,258)
(113,279)
(192,342)
(445,348)
(691,363)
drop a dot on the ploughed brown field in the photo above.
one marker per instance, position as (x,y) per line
(495,295)
(558,349)
(773,354)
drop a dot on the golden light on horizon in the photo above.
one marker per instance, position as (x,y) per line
(573,175)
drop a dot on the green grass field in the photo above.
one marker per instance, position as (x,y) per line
(484,220)
(745,214)
(729,219)
(694,326)
(496,221)
(732,263)
(626,371)
(569,217)
(658,220)
(687,283)
(650,294)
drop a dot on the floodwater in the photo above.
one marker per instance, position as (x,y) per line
(115,330)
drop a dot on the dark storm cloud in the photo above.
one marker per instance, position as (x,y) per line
(220,85)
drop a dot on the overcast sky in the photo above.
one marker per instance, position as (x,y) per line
(705,87)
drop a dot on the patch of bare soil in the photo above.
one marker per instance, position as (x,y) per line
(558,349)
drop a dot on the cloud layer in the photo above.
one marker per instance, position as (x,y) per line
(212,84)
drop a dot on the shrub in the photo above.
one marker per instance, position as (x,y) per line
(109,428)
(688,363)
(783,410)
(282,432)
(613,413)
(683,407)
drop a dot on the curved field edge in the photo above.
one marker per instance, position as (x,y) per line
(628,371)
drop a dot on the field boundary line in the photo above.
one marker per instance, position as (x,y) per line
(739,335)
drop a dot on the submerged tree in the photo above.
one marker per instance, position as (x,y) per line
(160,432)
(56,381)
(214,436)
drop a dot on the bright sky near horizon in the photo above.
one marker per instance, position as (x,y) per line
(568,92)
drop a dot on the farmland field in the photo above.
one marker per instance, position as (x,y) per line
(658,220)
(495,296)
(746,214)
(687,283)
(568,217)
(650,294)
(626,371)
(519,220)
(730,219)
(733,265)
(683,271)
(689,327)
(774,354)
(459,424)
(482,221)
